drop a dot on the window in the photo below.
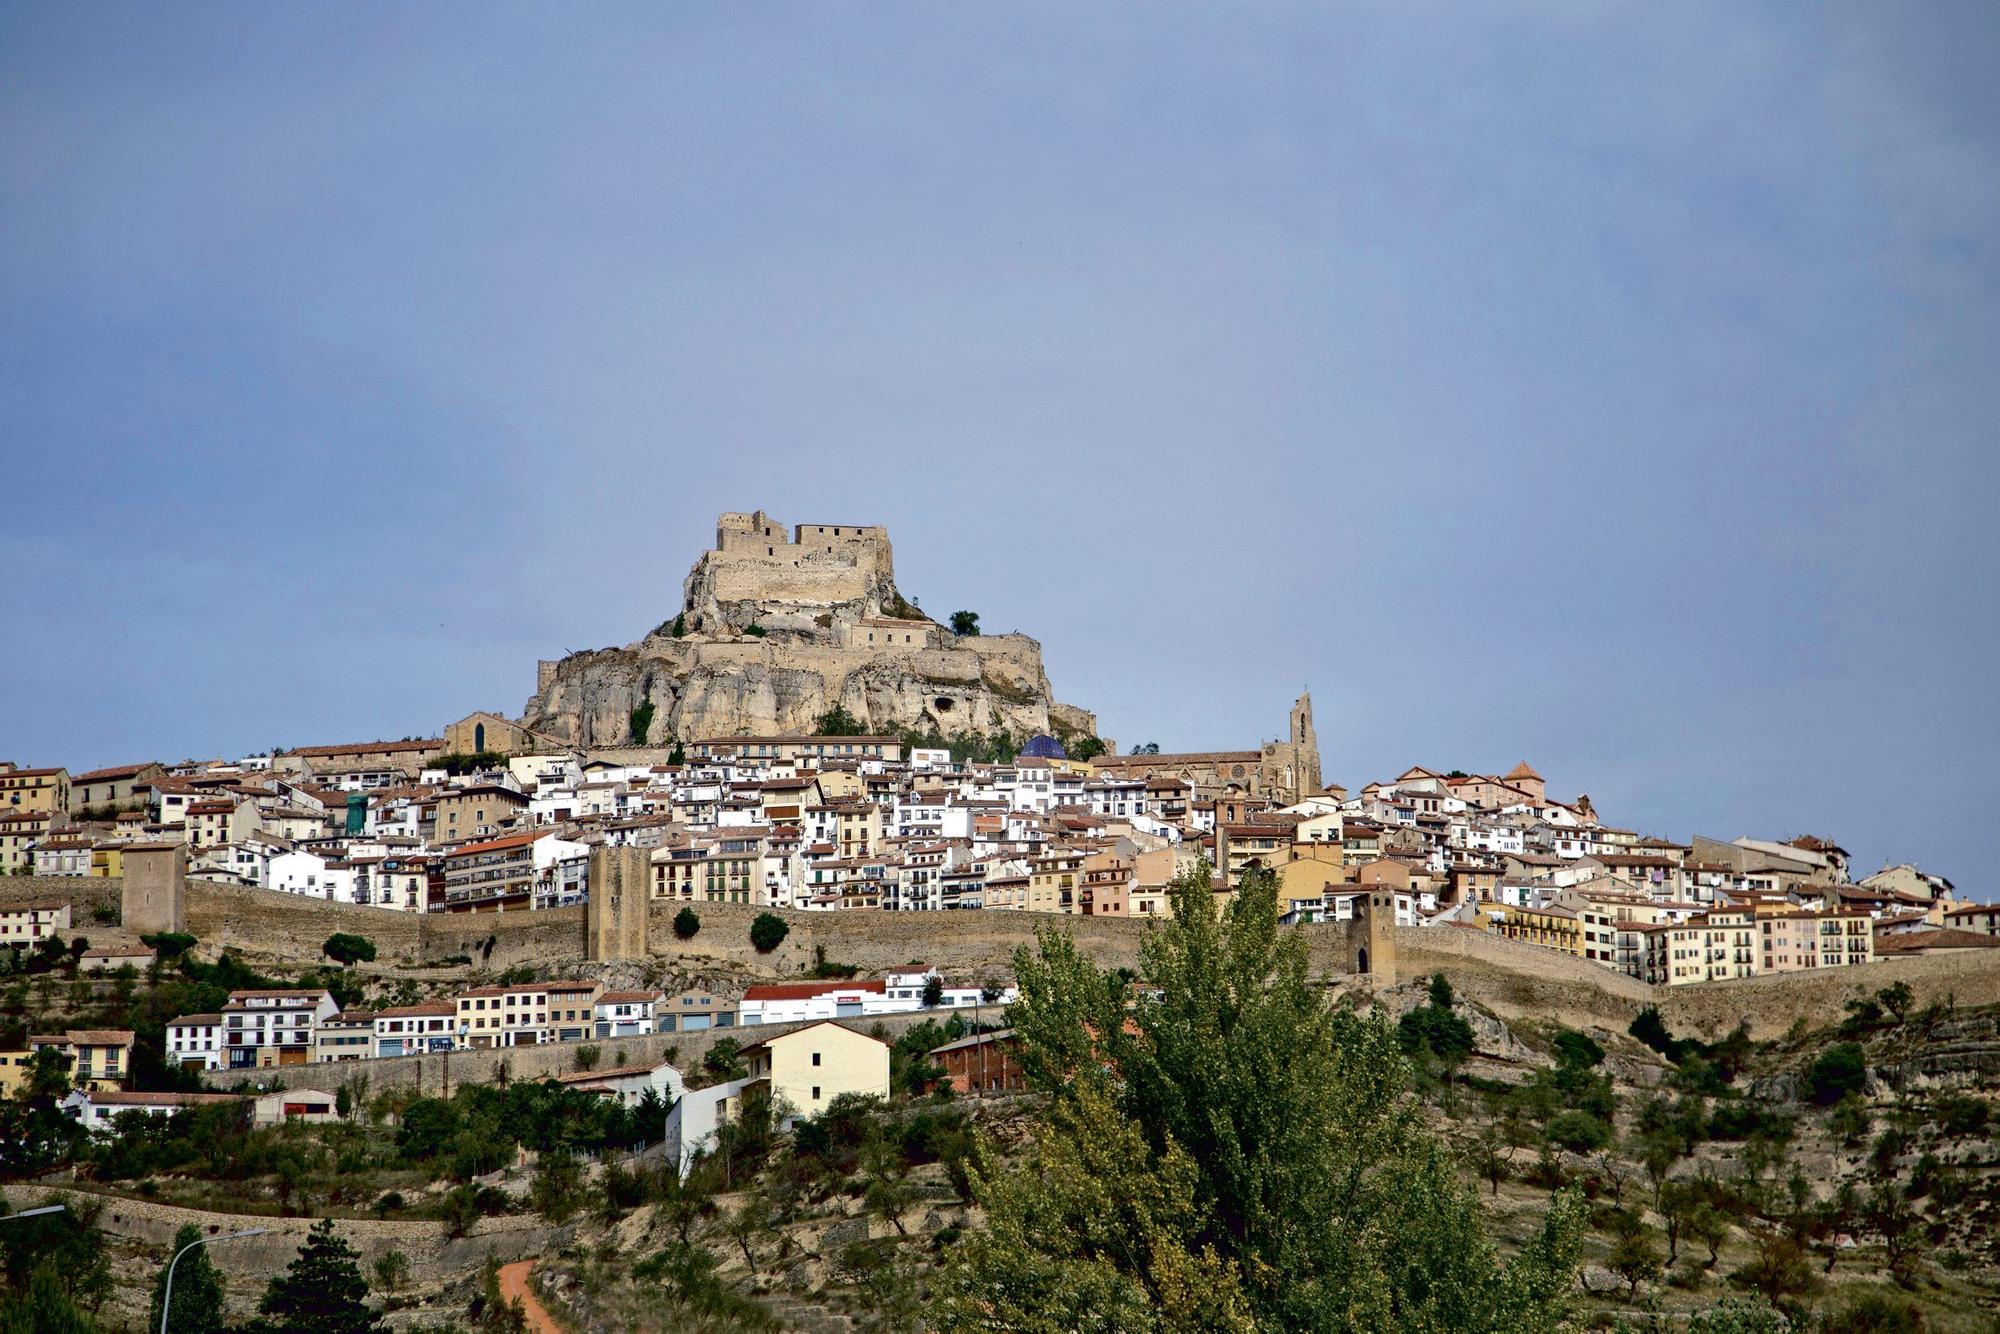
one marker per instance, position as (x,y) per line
(815,1093)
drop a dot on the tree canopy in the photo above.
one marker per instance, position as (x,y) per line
(344,947)
(768,931)
(1232,1153)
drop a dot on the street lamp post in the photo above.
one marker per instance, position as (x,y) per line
(167,1298)
(30,1213)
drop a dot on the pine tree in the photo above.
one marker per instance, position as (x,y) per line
(197,1288)
(43,1308)
(321,1292)
(1233,1155)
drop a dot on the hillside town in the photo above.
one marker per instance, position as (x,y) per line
(840,822)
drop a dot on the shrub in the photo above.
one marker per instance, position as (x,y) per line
(1573,1048)
(347,949)
(686,923)
(768,932)
(1958,1114)
(170,944)
(641,723)
(1579,1132)
(1840,1070)
(754,630)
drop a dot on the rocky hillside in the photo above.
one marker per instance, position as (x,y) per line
(765,645)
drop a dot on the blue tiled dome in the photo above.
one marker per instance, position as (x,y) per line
(1042,746)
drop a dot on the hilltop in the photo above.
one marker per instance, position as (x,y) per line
(777,627)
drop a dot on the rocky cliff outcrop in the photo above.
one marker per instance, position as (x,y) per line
(779,626)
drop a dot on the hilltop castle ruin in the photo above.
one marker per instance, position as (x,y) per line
(777,626)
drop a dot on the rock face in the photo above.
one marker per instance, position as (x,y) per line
(776,627)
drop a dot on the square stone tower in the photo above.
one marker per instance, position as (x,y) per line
(614,916)
(1368,940)
(155,888)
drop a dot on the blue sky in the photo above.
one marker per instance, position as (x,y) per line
(1608,386)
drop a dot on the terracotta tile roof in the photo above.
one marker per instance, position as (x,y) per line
(111,775)
(806,990)
(163,1099)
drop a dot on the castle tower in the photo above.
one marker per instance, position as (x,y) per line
(1371,940)
(614,914)
(152,898)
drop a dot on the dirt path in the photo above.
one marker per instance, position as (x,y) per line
(514,1288)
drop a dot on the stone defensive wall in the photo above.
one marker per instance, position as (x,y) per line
(1519,980)
(1513,979)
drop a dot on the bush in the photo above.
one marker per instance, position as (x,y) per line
(686,923)
(641,723)
(1577,1049)
(170,944)
(1840,1070)
(1579,1132)
(347,949)
(1959,1114)
(768,932)
(754,630)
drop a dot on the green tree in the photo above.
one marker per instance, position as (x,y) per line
(680,626)
(1840,1070)
(768,931)
(965,622)
(686,923)
(1234,1155)
(1086,748)
(837,721)
(641,723)
(392,1271)
(1897,999)
(320,1292)
(347,949)
(1849,1119)
(933,992)
(197,1288)
(169,944)
(43,1306)
(1578,1131)
(1633,1256)
(556,1192)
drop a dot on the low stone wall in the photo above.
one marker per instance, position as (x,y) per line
(247,1264)
(438,1074)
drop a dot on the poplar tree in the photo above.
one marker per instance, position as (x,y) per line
(1228,1151)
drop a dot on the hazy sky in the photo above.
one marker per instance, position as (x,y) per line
(1611,386)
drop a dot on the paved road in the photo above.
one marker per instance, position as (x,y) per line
(514,1288)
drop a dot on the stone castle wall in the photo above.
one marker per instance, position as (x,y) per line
(1511,978)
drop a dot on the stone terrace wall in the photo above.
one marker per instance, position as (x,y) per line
(247,1264)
